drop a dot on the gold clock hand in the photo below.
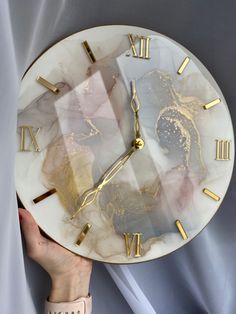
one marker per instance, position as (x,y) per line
(135,105)
(90,195)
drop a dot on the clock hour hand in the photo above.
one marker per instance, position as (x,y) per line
(90,195)
(135,105)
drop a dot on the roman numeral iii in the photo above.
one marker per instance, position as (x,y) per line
(222,150)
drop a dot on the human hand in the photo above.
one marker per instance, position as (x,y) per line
(69,272)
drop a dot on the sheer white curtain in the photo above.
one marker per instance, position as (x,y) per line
(199,278)
(14,291)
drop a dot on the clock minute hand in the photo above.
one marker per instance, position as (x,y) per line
(90,195)
(135,105)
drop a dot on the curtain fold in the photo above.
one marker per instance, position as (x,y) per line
(200,277)
(12,272)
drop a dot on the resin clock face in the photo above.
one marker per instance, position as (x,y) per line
(125,144)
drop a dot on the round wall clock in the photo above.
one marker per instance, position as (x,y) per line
(125,144)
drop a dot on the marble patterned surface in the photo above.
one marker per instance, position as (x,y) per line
(89,124)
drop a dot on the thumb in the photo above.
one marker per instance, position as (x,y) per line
(31,232)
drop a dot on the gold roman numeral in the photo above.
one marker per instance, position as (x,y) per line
(144,46)
(222,150)
(130,241)
(83,233)
(33,145)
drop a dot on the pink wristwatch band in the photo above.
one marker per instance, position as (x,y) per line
(82,305)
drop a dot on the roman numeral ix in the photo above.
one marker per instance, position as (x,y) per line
(33,146)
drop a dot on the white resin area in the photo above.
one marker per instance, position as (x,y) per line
(89,124)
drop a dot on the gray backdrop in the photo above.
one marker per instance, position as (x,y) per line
(200,277)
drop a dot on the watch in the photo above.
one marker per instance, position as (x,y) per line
(125,144)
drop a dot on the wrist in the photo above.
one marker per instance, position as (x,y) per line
(69,288)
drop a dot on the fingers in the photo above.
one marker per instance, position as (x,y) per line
(30,231)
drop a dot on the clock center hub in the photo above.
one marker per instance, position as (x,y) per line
(138,143)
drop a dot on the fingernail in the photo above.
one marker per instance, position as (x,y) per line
(20,217)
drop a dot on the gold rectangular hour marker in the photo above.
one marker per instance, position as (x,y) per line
(47,84)
(89,52)
(34,145)
(222,150)
(211,104)
(181,229)
(183,65)
(83,233)
(211,194)
(43,196)
(144,46)
(133,239)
